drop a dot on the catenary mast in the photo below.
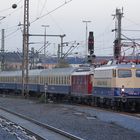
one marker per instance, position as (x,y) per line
(25,61)
(117,42)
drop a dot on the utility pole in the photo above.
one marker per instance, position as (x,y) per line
(2,49)
(58,52)
(45,40)
(117,42)
(32,58)
(62,36)
(25,61)
(86,44)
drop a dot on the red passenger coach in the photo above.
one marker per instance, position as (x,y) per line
(82,82)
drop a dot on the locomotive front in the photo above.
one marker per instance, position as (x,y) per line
(118,85)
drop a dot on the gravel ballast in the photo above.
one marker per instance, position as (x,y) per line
(85,122)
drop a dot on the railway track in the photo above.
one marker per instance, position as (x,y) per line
(39,130)
(133,114)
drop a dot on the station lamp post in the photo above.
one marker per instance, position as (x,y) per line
(45,40)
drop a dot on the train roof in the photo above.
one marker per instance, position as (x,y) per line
(19,73)
(10,73)
(54,71)
(83,71)
(58,71)
(118,66)
(35,72)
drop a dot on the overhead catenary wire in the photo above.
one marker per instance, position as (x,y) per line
(134,46)
(39,14)
(43,7)
(130,30)
(132,40)
(55,22)
(12,33)
(9,14)
(14,11)
(9,8)
(66,2)
(138,24)
(37,18)
(8,35)
(10,28)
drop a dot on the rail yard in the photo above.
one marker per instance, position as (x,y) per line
(83,122)
(89,100)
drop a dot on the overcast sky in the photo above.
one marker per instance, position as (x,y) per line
(68,20)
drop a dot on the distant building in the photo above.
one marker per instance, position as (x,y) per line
(13,61)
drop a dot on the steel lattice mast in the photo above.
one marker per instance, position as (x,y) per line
(117,42)
(25,50)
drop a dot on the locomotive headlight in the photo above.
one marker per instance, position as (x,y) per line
(122,90)
(133,65)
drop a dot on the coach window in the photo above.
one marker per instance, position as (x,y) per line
(64,80)
(48,78)
(137,73)
(124,73)
(51,79)
(41,80)
(114,73)
(55,80)
(3,79)
(59,81)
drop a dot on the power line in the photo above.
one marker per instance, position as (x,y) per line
(132,40)
(138,24)
(43,7)
(14,11)
(8,35)
(8,7)
(12,33)
(5,9)
(66,2)
(131,30)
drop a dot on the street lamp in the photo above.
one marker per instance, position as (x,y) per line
(86,43)
(45,41)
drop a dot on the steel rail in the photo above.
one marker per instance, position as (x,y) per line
(49,127)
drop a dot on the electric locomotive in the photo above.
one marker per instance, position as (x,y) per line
(117,86)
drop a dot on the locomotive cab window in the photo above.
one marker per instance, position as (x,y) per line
(137,73)
(124,73)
